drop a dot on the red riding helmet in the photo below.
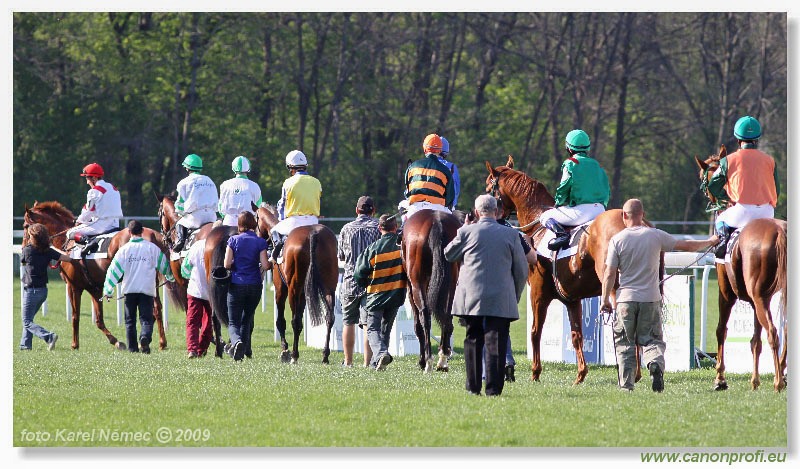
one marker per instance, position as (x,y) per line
(93,169)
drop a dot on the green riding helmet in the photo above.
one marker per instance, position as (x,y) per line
(240,165)
(578,141)
(193,162)
(747,128)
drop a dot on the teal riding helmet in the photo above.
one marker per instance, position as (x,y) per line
(747,128)
(578,141)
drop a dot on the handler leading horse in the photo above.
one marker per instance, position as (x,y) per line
(431,280)
(308,276)
(756,271)
(91,275)
(573,278)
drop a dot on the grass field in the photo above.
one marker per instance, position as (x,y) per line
(261,402)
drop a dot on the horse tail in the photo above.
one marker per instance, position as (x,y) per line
(781,255)
(314,288)
(436,296)
(218,290)
(176,295)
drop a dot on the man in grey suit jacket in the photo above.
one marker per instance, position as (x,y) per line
(490,283)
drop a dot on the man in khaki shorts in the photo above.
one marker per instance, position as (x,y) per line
(635,253)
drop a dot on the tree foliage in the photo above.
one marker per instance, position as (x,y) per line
(357,92)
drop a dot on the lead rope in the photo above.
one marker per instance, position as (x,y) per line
(689,265)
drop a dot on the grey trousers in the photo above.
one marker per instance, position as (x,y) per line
(637,323)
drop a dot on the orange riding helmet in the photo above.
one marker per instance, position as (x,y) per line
(432,144)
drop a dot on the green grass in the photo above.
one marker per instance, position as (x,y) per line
(261,402)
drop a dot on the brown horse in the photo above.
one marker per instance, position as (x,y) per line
(756,272)
(431,280)
(308,276)
(571,279)
(90,276)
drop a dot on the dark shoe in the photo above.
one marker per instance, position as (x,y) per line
(658,376)
(145,346)
(51,344)
(510,373)
(238,351)
(384,361)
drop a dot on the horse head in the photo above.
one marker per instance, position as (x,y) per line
(707,168)
(57,218)
(266,218)
(167,216)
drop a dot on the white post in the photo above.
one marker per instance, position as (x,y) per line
(704,306)
(69,305)
(120,306)
(165,305)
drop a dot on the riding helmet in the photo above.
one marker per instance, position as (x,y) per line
(93,169)
(578,141)
(296,158)
(432,144)
(240,165)
(193,162)
(747,128)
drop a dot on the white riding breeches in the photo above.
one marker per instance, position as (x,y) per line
(198,218)
(286,225)
(103,225)
(573,216)
(742,214)
(411,209)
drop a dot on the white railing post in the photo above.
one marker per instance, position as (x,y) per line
(120,306)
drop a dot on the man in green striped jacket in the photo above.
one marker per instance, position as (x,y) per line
(379,269)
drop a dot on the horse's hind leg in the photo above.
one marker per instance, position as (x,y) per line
(755,349)
(158,309)
(219,345)
(444,346)
(329,318)
(297,325)
(101,324)
(280,318)
(764,318)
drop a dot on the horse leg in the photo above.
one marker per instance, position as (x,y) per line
(425,319)
(755,349)
(159,320)
(764,318)
(280,318)
(101,324)
(419,330)
(219,344)
(575,313)
(539,309)
(725,304)
(445,349)
(75,303)
(298,306)
(329,318)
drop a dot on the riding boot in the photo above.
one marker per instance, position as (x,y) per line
(180,238)
(90,247)
(277,246)
(399,233)
(562,237)
(724,232)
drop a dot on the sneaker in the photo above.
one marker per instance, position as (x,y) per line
(658,376)
(193,355)
(346,366)
(51,344)
(510,373)
(238,351)
(384,361)
(228,348)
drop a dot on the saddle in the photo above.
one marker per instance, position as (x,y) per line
(93,247)
(568,250)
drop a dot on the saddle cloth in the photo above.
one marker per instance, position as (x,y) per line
(568,251)
(103,241)
(176,256)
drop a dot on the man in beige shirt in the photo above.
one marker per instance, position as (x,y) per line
(635,253)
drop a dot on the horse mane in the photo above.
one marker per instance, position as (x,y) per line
(56,209)
(517,182)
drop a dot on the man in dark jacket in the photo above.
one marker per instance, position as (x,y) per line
(379,269)
(490,283)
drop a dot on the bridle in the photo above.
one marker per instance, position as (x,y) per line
(168,234)
(495,192)
(714,204)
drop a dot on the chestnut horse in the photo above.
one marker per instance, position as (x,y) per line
(91,276)
(308,276)
(756,271)
(431,280)
(577,277)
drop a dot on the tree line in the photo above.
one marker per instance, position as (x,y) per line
(357,93)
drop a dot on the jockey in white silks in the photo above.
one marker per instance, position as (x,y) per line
(197,201)
(581,195)
(103,207)
(238,194)
(299,203)
(429,183)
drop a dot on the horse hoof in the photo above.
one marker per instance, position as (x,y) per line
(285,357)
(444,369)
(294,361)
(121,346)
(721,386)
(429,366)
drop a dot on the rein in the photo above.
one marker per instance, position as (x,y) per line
(684,268)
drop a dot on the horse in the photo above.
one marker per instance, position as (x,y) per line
(167,219)
(570,279)
(756,271)
(431,280)
(89,274)
(308,276)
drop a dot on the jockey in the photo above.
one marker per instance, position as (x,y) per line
(582,194)
(197,201)
(236,195)
(299,203)
(453,169)
(748,178)
(429,183)
(103,207)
